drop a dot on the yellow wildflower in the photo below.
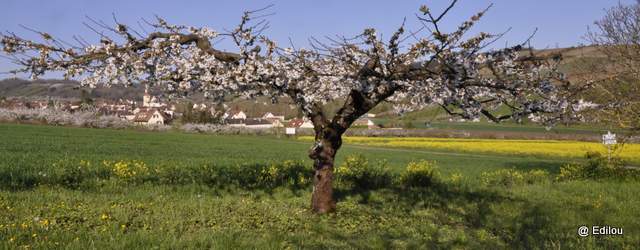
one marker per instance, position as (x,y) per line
(554,148)
(104,216)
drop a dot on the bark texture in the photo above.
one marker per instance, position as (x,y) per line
(323,153)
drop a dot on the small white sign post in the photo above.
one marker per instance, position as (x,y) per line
(609,139)
(290,131)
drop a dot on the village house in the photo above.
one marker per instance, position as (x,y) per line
(167,112)
(270,115)
(150,117)
(365,122)
(239,114)
(126,115)
(120,108)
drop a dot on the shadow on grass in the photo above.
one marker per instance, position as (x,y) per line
(439,195)
(515,221)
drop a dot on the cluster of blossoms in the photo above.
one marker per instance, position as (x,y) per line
(440,69)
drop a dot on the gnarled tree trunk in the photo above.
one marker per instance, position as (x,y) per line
(327,143)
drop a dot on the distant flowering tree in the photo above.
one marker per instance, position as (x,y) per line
(617,37)
(411,70)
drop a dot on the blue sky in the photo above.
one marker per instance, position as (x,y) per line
(560,22)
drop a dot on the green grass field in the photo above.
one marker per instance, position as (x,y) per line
(461,211)
(30,145)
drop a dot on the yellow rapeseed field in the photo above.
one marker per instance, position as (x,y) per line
(553,148)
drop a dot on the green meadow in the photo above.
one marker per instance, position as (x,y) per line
(80,188)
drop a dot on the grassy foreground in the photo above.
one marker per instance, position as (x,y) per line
(185,208)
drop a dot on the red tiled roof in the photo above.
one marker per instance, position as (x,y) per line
(144,116)
(294,123)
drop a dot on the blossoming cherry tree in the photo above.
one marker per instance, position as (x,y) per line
(411,69)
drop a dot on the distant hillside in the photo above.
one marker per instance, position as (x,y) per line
(579,62)
(63,89)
